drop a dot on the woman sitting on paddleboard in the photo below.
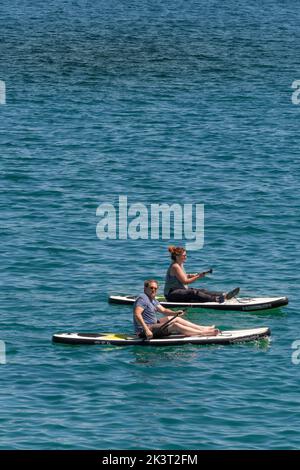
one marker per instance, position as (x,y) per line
(177,281)
(147,325)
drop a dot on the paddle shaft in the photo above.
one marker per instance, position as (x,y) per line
(207,272)
(169,321)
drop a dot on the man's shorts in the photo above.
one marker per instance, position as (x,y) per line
(157,331)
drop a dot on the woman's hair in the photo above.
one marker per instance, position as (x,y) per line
(176,251)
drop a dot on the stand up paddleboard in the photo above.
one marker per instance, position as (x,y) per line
(240,303)
(226,337)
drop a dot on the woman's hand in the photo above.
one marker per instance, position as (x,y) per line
(196,275)
(200,275)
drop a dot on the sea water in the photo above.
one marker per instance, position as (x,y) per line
(175,102)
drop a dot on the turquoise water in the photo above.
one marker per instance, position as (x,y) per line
(174,102)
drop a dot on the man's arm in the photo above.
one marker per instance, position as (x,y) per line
(138,313)
(168,311)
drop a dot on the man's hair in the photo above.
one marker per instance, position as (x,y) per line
(148,282)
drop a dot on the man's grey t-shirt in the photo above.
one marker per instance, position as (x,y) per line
(149,313)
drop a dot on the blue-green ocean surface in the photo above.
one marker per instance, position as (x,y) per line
(163,102)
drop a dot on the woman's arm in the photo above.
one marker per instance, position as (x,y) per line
(196,274)
(182,276)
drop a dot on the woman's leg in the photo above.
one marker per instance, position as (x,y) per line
(193,295)
(211,292)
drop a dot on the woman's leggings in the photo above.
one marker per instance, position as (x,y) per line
(193,295)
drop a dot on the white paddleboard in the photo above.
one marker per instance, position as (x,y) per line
(226,337)
(239,303)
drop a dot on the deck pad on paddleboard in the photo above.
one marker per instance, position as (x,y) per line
(240,303)
(226,337)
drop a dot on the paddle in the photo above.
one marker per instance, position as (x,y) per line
(171,319)
(181,312)
(207,272)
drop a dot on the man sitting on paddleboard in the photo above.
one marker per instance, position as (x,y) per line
(176,282)
(147,325)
